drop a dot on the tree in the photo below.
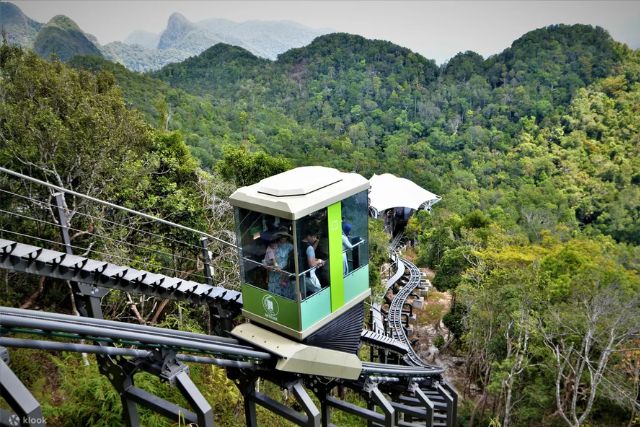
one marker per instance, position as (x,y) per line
(245,168)
(583,331)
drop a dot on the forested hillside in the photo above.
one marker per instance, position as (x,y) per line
(535,152)
(477,131)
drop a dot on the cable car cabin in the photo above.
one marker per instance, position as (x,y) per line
(303,245)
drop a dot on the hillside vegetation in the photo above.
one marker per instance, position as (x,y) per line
(535,151)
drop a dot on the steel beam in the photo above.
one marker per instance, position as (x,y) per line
(450,404)
(163,407)
(389,412)
(203,409)
(428,405)
(454,395)
(206,258)
(9,320)
(19,398)
(367,414)
(310,418)
(247,386)
(310,409)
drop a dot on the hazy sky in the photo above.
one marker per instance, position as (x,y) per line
(435,29)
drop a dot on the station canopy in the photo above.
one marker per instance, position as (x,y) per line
(389,191)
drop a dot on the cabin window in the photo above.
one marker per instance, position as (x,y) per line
(313,253)
(266,252)
(355,245)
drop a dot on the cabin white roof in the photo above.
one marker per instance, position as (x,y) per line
(298,192)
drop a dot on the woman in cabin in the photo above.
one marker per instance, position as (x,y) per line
(309,245)
(346,245)
(277,257)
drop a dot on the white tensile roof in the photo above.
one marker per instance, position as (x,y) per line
(389,191)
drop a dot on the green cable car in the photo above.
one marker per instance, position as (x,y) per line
(303,244)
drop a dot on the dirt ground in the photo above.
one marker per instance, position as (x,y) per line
(427,329)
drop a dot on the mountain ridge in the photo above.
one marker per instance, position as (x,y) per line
(18,27)
(145,51)
(62,37)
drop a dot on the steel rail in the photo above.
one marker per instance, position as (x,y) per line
(9,320)
(112,324)
(89,233)
(385,342)
(43,204)
(395,312)
(116,351)
(371,368)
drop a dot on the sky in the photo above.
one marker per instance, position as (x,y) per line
(436,29)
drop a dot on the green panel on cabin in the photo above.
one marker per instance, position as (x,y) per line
(270,306)
(356,283)
(315,308)
(334,215)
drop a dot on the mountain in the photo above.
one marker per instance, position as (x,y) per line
(483,132)
(138,58)
(18,27)
(181,39)
(145,51)
(184,35)
(62,37)
(215,71)
(266,39)
(145,39)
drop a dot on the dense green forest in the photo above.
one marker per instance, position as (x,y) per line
(535,152)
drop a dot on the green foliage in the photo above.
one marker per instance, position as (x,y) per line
(454,320)
(378,255)
(242,167)
(205,73)
(539,137)
(453,263)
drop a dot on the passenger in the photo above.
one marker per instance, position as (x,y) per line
(270,255)
(346,245)
(276,258)
(279,282)
(309,245)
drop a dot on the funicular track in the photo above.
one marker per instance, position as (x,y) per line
(391,326)
(395,394)
(417,391)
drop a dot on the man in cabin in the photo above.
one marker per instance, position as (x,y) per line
(309,245)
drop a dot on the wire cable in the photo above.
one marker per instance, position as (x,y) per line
(113,205)
(42,204)
(146,248)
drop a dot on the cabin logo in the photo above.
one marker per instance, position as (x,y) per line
(271,308)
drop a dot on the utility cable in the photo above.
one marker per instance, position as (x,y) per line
(113,205)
